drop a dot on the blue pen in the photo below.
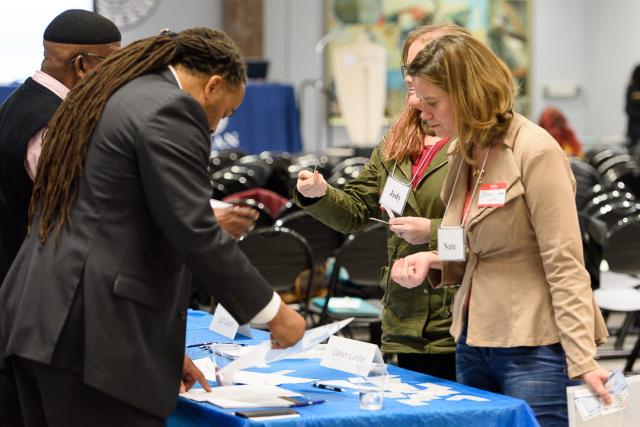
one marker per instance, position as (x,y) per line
(306,403)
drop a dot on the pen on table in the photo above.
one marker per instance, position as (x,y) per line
(307,403)
(204,344)
(327,386)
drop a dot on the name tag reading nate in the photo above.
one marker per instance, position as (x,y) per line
(451,244)
(394,195)
(492,195)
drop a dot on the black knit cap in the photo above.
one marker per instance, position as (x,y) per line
(77,26)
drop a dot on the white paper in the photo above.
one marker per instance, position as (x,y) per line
(590,405)
(412,402)
(261,378)
(437,389)
(459,397)
(315,352)
(224,324)
(344,354)
(243,396)
(207,366)
(219,204)
(263,353)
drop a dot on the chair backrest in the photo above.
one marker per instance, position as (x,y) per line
(323,239)
(363,254)
(621,249)
(629,417)
(280,255)
(264,220)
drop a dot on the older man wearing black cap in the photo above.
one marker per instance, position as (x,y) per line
(74,43)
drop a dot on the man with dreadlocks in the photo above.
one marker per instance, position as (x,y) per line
(93,310)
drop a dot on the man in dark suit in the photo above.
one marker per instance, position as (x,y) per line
(93,310)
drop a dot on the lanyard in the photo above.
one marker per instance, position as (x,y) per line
(475,188)
(424,159)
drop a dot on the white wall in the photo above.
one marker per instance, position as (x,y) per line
(613,50)
(590,43)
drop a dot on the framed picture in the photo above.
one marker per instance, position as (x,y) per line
(502,24)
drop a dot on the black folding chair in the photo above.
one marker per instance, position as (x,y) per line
(323,239)
(280,255)
(362,255)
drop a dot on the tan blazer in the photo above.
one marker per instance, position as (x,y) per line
(524,267)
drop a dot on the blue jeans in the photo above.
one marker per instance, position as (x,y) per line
(537,375)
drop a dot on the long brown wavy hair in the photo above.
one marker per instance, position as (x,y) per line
(200,51)
(479,83)
(407,133)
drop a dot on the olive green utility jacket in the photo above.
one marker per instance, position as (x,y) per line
(413,320)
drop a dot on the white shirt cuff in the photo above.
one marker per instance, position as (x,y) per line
(267,314)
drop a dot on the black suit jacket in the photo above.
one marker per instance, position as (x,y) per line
(141,213)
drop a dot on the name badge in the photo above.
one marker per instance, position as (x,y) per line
(451,244)
(394,195)
(492,195)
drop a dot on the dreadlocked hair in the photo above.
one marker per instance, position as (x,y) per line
(201,51)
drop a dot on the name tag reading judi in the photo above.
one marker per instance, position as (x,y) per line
(451,243)
(492,195)
(394,195)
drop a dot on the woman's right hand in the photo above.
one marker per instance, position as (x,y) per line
(311,184)
(411,271)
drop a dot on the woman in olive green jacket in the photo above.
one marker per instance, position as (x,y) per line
(415,322)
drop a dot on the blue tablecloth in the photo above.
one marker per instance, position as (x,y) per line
(267,120)
(341,408)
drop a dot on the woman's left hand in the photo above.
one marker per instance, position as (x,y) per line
(596,380)
(411,271)
(413,229)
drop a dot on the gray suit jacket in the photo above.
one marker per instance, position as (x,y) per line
(141,213)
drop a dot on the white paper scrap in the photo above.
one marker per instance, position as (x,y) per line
(207,366)
(263,353)
(412,402)
(246,377)
(459,397)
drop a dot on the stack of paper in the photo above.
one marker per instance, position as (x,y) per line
(243,396)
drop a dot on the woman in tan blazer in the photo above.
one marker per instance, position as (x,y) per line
(524,318)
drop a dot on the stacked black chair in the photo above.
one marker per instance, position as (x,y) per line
(280,255)
(362,255)
(323,239)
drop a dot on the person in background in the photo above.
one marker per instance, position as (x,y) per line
(632,108)
(553,121)
(93,309)
(74,43)
(415,322)
(524,317)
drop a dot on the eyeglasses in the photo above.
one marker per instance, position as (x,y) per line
(92,55)
(403,70)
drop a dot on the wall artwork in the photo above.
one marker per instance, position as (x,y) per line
(502,24)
